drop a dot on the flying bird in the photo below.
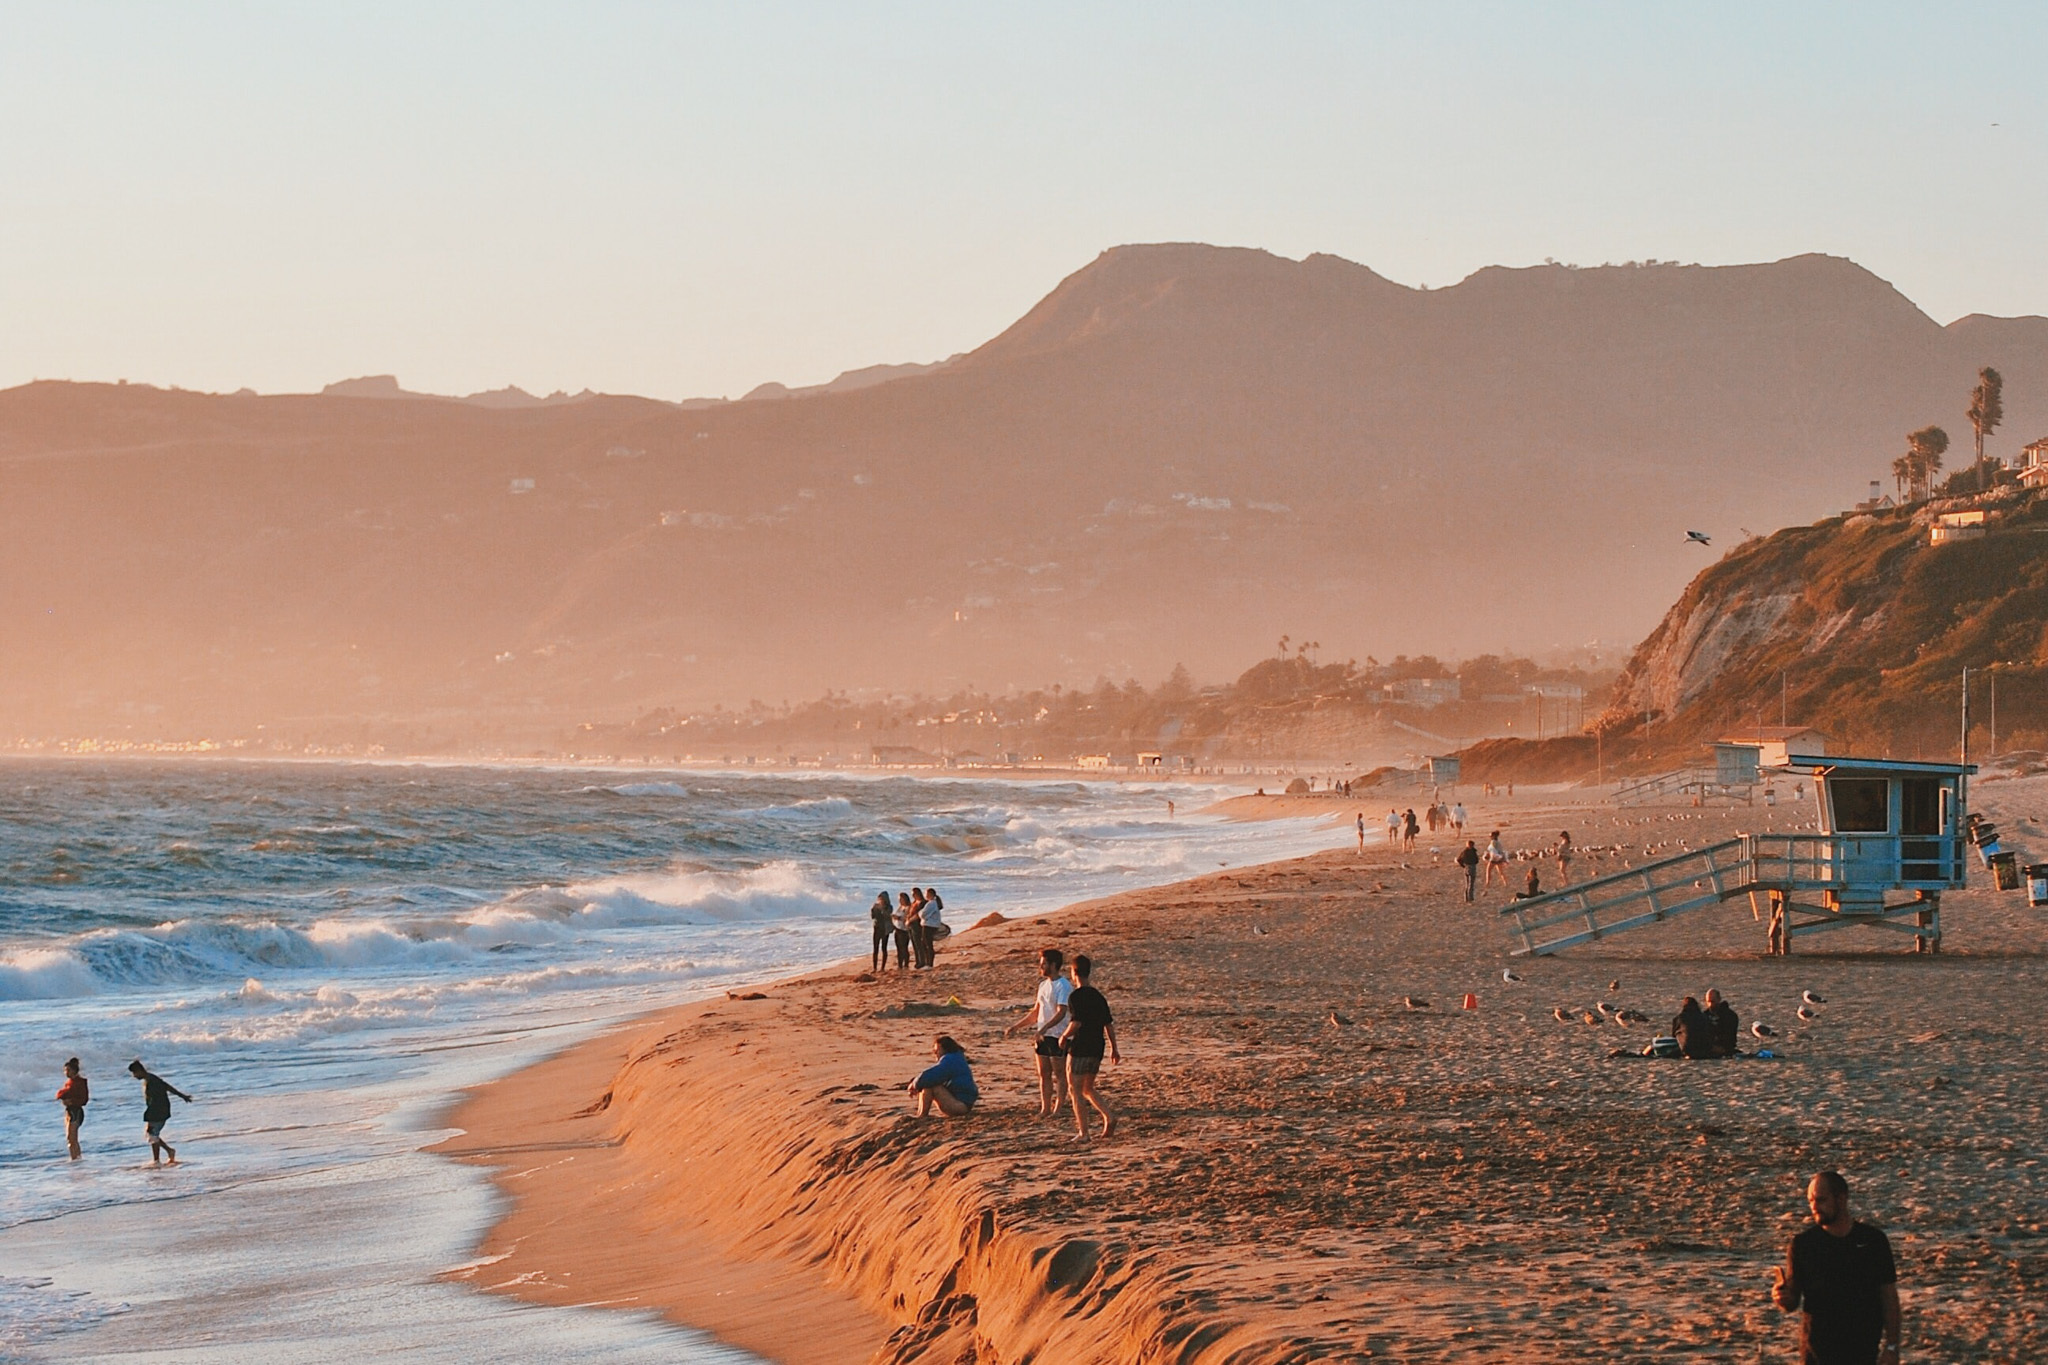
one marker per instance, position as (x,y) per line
(1507,974)
(1699,537)
(1810,998)
(1763,1030)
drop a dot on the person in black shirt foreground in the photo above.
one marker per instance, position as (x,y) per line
(156,1110)
(1089,1028)
(1840,1272)
(1468,860)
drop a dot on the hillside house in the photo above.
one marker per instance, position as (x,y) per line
(1423,692)
(1778,745)
(2033,463)
(1950,527)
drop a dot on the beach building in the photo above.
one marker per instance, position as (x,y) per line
(1092,761)
(1424,692)
(1950,527)
(1775,746)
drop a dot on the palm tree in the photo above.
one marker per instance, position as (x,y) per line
(1924,450)
(1902,474)
(1987,406)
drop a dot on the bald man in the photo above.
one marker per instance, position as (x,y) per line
(1840,1273)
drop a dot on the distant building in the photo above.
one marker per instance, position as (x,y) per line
(1092,761)
(1778,745)
(1151,762)
(2033,463)
(522,485)
(1878,500)
(1953,526)
(1425,692)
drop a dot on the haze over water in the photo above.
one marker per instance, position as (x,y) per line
(323,954)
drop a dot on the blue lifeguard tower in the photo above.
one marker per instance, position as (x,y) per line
(1892,836)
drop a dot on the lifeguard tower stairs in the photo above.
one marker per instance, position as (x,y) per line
(1891,840)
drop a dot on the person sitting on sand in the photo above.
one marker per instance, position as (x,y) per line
(1047,1018)
(882,915)
(1532,885)
(948,1083)
(1722,1024)
(1089,1028)
(1496,860)
(73,1095)
(1690,1026)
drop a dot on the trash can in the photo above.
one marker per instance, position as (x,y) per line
(1988,851)
(2037,884)
(2005,870)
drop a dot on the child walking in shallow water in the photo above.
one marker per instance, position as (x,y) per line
(1089,1031)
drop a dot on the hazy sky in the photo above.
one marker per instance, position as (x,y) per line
(680,200)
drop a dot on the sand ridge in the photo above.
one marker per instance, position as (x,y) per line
(1310,1168)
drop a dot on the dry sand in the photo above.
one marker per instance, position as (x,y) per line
(1408,1184)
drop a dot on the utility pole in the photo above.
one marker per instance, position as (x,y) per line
(1994,714)
(1966,716)
(1784,697)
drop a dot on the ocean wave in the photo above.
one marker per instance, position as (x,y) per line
(643,789)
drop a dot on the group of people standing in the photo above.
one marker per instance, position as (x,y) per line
(1072,1031)
(76,1093)
(1404,827)
(914,922)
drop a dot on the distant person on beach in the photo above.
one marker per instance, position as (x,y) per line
(1840,1274)
(1089,1029)
(74,1094)
(1692,1029)
(902,931)
(920,943)
(948,1083)
(156,1110)
(1563,854)
(882,915)
(1361,831)
(1468,860)
(1458,819)
(1532,885)
(935,929)
(1393,828)
(1409,829)
(1169,810)
(1046,1018)
(1722,1024)
(1496,860)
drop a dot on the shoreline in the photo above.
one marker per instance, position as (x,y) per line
(1306,1167)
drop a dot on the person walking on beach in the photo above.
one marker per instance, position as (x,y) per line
(74,1094)
(1496,859)
(1409,829)
(1089,1030)
(901,929)
(1840,1275)
(1045,1018)
(1361,831)
(1393,828)
(948,1083)
(1458,819)
(156,1110)
(1468,861)
(882,916)
(934,925)
(1563,854)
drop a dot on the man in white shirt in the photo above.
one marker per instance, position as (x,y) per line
(1393,827)
(1047,1018)
(1458,819)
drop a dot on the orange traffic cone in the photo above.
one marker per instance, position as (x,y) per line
(1471,1001)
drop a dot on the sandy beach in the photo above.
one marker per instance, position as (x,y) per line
(1310,1167)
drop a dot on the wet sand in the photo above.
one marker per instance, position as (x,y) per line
(1308,1167)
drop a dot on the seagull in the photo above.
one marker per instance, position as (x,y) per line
(1414,1004)
(1763,1030)
(1614,985)
(1810,998)
(1808,1015)
(1257,930)
(1604,1008)
(1561,1015)
(1589,1018)
(1337,1020)
(1507,974)
(1698,537)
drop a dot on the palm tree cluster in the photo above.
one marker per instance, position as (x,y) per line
(1914,471)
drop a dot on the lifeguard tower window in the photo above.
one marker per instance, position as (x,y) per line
(1862,805)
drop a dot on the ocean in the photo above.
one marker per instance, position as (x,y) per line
(322,954)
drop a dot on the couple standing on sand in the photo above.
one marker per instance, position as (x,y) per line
(1071,1030)
(916,923)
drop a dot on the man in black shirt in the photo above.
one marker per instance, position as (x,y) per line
(156,1110)
(1468,860)
(1089,1030)
(1722,1023)
(1691,1028)
(1840,1271)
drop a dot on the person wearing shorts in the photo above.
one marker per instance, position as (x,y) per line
(1048,1013)
(73,1095)
(1089,1031)
(156,1111)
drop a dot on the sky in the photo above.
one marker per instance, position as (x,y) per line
(683,200)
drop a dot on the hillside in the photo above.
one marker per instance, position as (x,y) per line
(1860,628)
(1182,453)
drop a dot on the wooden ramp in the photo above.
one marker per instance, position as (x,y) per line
(1621,901)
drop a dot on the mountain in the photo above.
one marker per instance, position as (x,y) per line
(1859,627)
(1180,454)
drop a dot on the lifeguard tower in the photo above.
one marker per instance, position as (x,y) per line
(1892,837)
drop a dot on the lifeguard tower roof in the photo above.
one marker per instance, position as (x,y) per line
(1814,764)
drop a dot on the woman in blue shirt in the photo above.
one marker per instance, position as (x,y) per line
(948,1083)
